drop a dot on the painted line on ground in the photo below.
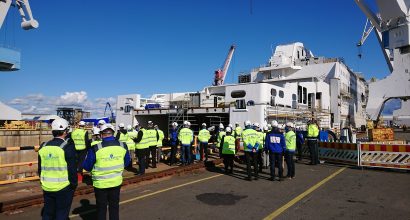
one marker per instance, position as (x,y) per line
(151,194)
(292,202)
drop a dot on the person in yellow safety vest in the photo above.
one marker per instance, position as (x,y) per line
(82,143)
(106,162)
(238,130)
(57,169)
(228,150)
(153,138)
(122,133)
(221,133)
(132,134)
(261,139)
(161,137)
(203,136)
(290,138)
(265,155)
(96,136)
(312,139)
(251,146)
(186,137)
(142,149)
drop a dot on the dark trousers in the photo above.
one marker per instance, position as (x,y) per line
(142,156)
(290,163)
(299,148)
(228,162)
(57,204)
(108,197)
(314,156)
(186,154)
(251,159)
(81,154)
(174,149)
(275,157)
(203,149)
(153,151)
(260,160)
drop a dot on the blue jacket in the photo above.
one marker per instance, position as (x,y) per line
(173,136)
(299,138)
(275,142)
(90,159)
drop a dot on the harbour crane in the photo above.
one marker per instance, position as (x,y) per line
(112,116)
(9,58)
(220,74)
(392,28)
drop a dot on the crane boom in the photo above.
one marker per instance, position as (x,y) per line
(23,6)
(392,27)
(220,74)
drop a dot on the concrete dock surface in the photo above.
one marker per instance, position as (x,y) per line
(318,192)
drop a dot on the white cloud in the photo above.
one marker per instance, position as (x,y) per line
(39,103)
(18,101)
(73,98)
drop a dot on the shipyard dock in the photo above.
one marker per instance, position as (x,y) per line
(325,191)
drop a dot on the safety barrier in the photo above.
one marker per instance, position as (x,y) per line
(336,152)
(386,156)
(345,153)
(394,156)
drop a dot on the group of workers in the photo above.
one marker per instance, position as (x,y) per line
(62,159)
(267,145)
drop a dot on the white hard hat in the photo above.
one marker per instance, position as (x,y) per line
(236,123)
(230,125)
(256,124)
(186,122)
(96,131)
(59,124)
(101,122)
(228,129)
(121,125)
(137,124)
(150,122)
(281,126)
(156,126)
(289,124)
(221,126)
(266,128)
(129,127)
(107,126)
(274,124)
(247,123)
(269,126)
(82,123)
(174,124)
(203,124)
(189,123)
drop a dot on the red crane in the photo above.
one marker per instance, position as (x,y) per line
(220,74)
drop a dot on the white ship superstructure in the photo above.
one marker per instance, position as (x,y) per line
(293,86)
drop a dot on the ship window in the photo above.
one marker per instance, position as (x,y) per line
(240,104)
(272,101)
(273,92)
(238,94)
(281,94)
(250,103)
(293,97)
(318,95)
(299,94)
(304,95)
(310,100)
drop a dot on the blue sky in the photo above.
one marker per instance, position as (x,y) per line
(106,48)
